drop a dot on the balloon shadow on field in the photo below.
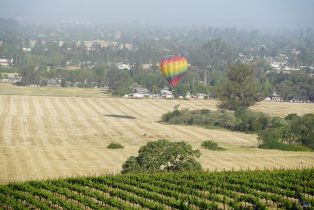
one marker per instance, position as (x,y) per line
(120,116)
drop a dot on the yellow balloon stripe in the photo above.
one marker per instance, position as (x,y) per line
(173,66)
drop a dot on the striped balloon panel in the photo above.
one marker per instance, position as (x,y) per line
(173,68)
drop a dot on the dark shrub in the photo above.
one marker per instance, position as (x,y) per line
(277,122)
(286,147)
(168,116)
(249,121)
(290,117)
(210,145)
(301,130)
(115,146)
(271,139)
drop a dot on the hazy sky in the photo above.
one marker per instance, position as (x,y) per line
(240,13)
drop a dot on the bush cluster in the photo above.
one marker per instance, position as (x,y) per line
(240,120)
(204,117)
(275,144)
(210,145)
(290,133)
(296,135)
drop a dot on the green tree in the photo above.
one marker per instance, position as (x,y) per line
(118,81)
(201,88)
(163,155)
(30,76)
(153,81)
(301,130)
(240,88)
(297,85)
(132,165)
(215,54)
(270,137)
(181,89)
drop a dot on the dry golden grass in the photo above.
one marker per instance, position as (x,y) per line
(47,136)
(8,89)
(282,109)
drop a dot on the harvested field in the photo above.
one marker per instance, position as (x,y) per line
(8,89)
(282,109)
(47,136)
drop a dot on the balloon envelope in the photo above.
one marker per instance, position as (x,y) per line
(173,69)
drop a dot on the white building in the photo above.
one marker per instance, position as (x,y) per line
(128,46)
(166,93)
(123,66)
(32,43)
(5,62)
(60,43)
(27,49)
(147,66)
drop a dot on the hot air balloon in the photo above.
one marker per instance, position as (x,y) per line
(173,69)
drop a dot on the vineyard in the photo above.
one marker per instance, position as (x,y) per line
(264,189)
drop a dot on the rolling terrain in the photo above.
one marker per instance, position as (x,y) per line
(51,136)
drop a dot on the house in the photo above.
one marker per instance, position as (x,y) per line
(136,95)
(60,43)
(166,93)
(11,78)
(32,43)
(287,69)
(188,95)
(53,83)
(27,49)
(72,67)
(5,62)
(128,46)
(105,89)
(124,66)
(139,92)
(202,96)
(147,66)
(88,45)
(276,97)
(103,43)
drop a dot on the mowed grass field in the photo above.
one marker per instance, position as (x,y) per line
(8,89)
(51,136)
